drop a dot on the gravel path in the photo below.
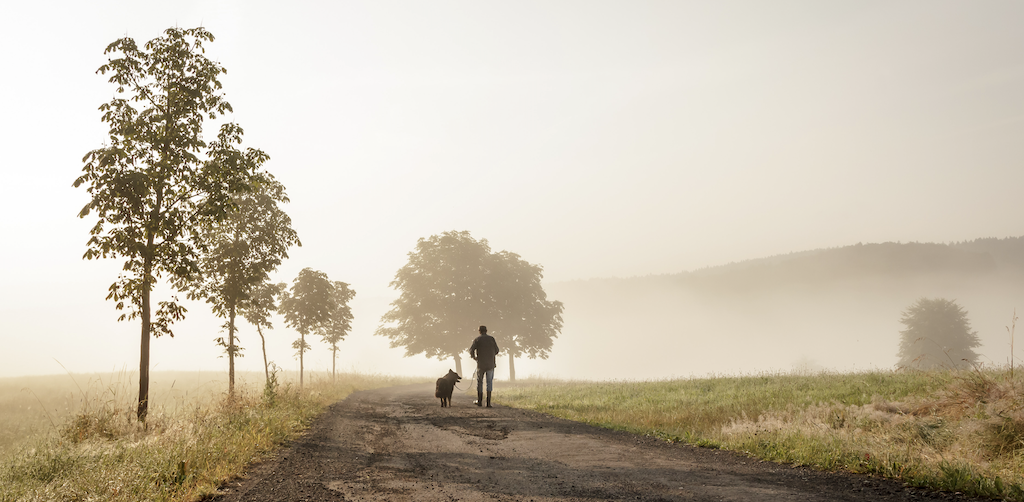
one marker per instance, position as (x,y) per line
(398,444)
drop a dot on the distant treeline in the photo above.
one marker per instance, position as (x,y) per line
(988,258)
(887,260)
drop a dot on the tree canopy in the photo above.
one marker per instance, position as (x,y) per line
(240,252)
(937,335)
(527,322)
(308,306)
(262,301)
(452,284)
(334,331)
(157,181)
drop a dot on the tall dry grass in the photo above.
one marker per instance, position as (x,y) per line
(189,445)
(31,406)
(955,431)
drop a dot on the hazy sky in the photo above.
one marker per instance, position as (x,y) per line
(595,138)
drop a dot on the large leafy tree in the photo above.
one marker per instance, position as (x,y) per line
(937,335)
(454,283)
(308,307)
(241,251)
(340,323)
(158,181)
(526,320)
(443,297)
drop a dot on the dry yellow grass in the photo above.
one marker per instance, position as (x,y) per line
(194,439)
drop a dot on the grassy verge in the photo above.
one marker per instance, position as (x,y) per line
(102,453)
(952,431)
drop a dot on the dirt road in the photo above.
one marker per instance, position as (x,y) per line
(399,444)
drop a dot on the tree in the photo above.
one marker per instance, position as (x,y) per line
(240,252)
(937,335)
(443,297)
(340,323)
(257,312)
(158,181)
(308,307)
(527,321)
(454,283)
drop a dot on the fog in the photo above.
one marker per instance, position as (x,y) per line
(613,143)
(653,328)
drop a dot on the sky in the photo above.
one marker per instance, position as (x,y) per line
(595,138)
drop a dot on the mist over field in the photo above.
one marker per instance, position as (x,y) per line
(692,176)
(835,309)
(830,309)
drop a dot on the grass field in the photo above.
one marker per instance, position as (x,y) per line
(39,405)
(954,431)
(75,437)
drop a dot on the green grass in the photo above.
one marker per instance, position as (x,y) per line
(194,439)
(954,431)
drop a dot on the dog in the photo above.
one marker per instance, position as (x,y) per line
(445,386)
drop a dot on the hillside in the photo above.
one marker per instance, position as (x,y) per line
(836,308)
(888,260)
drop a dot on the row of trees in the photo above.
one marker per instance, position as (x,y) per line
(207,219)
(203,216)
(317,305)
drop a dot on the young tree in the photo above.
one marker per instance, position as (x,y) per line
(307,308)
(257,311)
(937,335)
(443,299)
(524,318)
(453,284)
(340,323)
(158,181)
(241,251)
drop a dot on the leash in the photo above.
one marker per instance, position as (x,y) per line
(471,380)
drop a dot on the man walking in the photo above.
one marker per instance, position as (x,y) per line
(482,351)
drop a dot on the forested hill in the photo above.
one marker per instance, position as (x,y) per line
(835,308)
(888,260)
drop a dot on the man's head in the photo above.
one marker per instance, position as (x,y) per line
(483,330)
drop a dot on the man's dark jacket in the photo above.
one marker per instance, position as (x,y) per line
(484,349)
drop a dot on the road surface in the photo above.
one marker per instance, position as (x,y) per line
(398,444)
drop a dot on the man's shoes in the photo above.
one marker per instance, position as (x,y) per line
(488,399)
(480,399)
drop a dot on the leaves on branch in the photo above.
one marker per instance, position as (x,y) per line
(156,183)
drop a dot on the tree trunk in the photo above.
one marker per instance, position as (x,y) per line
(147,287)
(458,365)
(266,365)
(147,268)
(334,361)
(511,367)
(302,350)
(231,351)
(144,359)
